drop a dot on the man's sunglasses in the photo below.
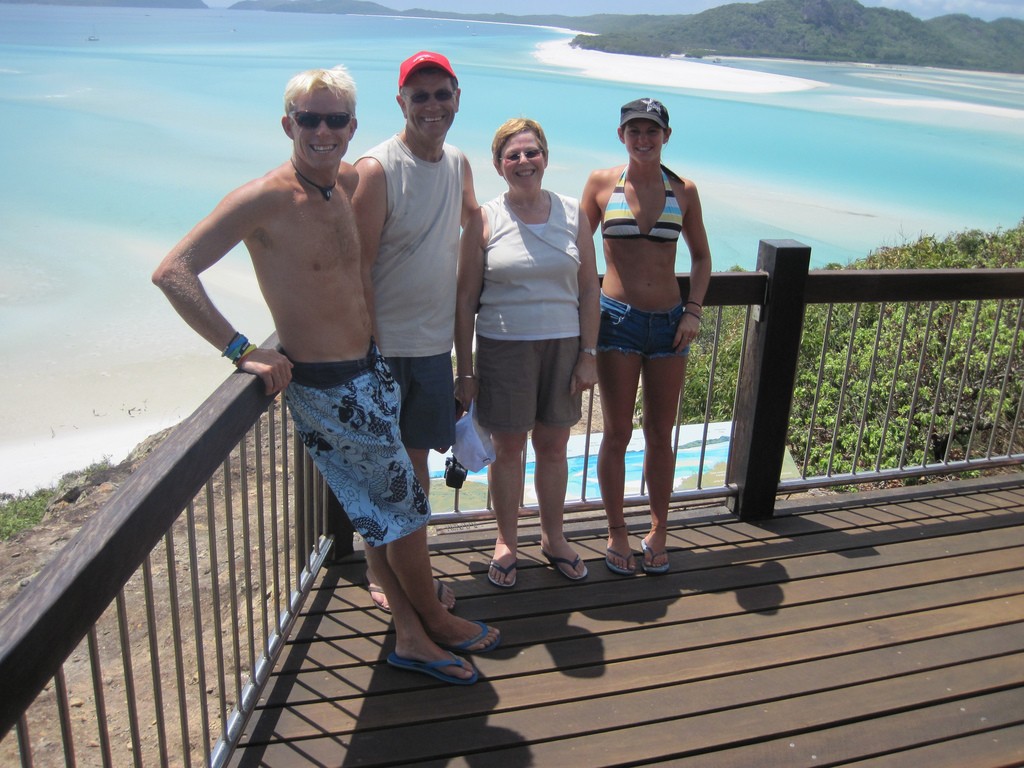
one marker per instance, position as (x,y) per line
(311,120)
(422,97)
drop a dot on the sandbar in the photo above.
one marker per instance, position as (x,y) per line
(674,72)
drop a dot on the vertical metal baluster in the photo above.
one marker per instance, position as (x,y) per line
(940,384)
(24,742)
(154,657)
(129,679)
(103,731)
(286,519)
(917,388)
(586,445)
(243,479)
(197,624)
(178,645)
(60,690)
(218,618)
(1015,350)
(275,445)
(869,387)
(739,377)
(891,405)
(261,531)
(829,313)
(842,388)
(229,558)
(965,369)
(275,586)
(709,399)
(984,378)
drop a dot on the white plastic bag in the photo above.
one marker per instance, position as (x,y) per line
(473,446)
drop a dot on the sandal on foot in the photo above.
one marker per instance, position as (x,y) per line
(570,574)
(652,569)
(433,668)
(381,601)
(627,571)
(504,570)
(464,646)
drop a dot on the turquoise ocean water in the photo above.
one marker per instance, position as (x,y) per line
(113,148)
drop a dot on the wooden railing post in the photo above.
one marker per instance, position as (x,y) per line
(767,377)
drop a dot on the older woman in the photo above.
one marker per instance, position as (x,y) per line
(646,326)
(527,273)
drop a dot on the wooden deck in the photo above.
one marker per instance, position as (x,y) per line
(879,627)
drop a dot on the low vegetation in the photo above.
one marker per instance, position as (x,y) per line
(860,363)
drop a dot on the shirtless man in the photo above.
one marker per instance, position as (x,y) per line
(298,226)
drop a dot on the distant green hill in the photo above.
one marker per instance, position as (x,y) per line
(823,30)
(816,30)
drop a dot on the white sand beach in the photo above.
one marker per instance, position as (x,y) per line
(675,72)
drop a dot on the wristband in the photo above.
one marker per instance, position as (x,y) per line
(696,304)
(245,353)
(236,348)
(589,351)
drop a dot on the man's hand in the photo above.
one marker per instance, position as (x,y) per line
(270,365)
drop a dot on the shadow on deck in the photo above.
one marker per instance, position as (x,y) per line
(885,626)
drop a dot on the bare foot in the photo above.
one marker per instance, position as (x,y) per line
(465,636)
(444,595)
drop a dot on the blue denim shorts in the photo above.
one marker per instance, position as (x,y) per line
(624,329)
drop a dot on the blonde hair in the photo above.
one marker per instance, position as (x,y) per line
(513,127)
(337,80)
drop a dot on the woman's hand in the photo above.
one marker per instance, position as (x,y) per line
(687,331)
(466,390)
(584,374)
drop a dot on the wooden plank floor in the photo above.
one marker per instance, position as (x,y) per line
(879,627)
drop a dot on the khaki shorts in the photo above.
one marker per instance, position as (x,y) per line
(526,382)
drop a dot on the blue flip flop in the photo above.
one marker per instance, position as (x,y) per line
(464,646)
(571,563)
(505,570)
(652,569)
(627,571)
(433,668)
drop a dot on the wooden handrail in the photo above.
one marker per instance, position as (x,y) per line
(37,630)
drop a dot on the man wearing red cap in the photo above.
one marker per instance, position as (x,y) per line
(415,192)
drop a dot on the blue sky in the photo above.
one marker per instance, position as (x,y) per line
(923,9)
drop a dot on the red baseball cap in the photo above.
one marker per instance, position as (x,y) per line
(421,60)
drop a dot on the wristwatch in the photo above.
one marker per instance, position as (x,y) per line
(589,351)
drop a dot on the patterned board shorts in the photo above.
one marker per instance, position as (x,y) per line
(347,416)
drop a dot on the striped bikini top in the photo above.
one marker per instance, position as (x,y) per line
(620,222)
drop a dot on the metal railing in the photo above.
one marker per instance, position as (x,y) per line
(150,636)
(152,633)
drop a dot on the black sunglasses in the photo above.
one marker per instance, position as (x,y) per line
(312,120)
(422,97)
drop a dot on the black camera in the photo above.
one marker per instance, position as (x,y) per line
(454,473)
